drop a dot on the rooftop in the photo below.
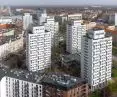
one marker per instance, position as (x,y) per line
(61,81)
(32,26)
(76,14)
(21,75)
(70,57)
(97,29)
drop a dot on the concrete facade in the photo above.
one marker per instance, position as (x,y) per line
(38,49)
(96,58)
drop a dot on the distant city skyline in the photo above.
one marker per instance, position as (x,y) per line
(58,2)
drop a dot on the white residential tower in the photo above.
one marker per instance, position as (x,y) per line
(42,15)
(27,20)
(96,58)
(38,49)
(75,32)
(53,27)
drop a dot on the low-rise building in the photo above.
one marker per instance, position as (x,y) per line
(69,59)
(11,47)
(62,85)
(77,16)
(20,83)
(5,20)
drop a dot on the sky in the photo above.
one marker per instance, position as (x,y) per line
(58,2)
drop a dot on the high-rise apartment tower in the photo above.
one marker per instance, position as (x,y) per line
(38,49)
(96,58)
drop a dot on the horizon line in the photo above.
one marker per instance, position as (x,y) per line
(100,5)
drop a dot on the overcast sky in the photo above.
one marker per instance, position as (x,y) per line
(58,2)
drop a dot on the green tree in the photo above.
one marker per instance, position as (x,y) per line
(96,93)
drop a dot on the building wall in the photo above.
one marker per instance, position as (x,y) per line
(38,49)
(111,19)
(11,47)
(74,36)
(27,20)
(78,91)
(53,27)
(75,17)
(3,87)
(6,26)
(69,39)
(64,18)
(6,21)
(11,87)
(96,60)
(90,25)
(42,16)
(115,19)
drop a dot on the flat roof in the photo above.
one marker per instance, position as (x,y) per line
(96,29)
(61,81)
(21,75)
(71,57)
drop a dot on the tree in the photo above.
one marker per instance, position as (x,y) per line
(96,93)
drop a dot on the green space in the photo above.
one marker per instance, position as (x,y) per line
(114,51)
(15,60)
(115,44)
(62,28)
(112,87)
(114,72)
(97,93)
(114,69)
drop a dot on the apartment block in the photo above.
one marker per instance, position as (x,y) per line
(20,83)
(115,19)
(49,23)
(27,20)
(77,16)
(75,32)
(53,27)
(11,47)
(96,58)
(41,15)
(62,85)
(38,49)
